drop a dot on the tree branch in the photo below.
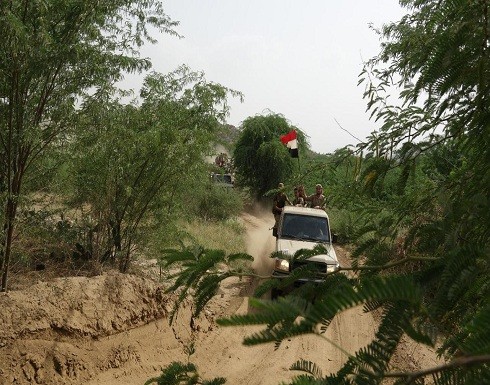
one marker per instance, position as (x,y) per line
(342,128)
(388,265)
(458,362)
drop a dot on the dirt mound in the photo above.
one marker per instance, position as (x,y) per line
(42,328)
(81,306)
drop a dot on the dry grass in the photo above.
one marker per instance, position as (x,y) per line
(224,235)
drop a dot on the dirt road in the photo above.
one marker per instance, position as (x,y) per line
(113,329)
(222,354)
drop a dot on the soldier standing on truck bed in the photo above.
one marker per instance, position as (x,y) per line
(298,199)
(280,200)
(316,200)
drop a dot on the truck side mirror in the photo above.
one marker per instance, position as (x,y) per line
(334,238)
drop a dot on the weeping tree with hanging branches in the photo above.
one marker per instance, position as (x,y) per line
(261,160)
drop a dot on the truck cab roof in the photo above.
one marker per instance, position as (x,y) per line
(305,211)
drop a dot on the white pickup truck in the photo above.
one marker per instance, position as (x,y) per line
(303,228)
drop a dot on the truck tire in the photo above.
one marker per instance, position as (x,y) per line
(275,293)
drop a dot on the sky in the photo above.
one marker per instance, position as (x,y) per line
(297,58)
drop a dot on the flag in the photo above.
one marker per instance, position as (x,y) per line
(291,143)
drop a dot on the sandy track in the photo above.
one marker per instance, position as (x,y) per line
(222,354)
(67,341)
(219,350)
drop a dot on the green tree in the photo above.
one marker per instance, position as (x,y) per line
(136,164)
(435,143)
(261,159)
(439,55)
(51,54)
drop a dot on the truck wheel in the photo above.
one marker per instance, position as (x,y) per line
(275,293)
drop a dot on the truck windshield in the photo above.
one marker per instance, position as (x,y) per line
(222,179)
(307,228)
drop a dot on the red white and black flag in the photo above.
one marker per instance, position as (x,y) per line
(291,143)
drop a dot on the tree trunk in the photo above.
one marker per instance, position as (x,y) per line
(11,210)
(8,227)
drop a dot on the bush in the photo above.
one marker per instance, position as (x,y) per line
(219,203)
(343,223)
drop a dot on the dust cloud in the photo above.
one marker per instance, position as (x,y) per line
(260,242)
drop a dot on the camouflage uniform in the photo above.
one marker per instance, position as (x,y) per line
(278,204)
(298,201)
(317,200)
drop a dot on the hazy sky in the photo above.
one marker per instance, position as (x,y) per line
(297,58)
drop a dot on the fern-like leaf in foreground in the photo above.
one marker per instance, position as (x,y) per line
(200,270)
(178,373)
(292,315)
(308,367)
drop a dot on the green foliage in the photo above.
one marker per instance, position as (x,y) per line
(308,367)
(49,238)
(201,270)
(138,160)
(216,234)
(344,224)
(474,338)
(400,296)
(52,54)
(178,373)
(339,295)
(415,199)
(218,203)
(261,160)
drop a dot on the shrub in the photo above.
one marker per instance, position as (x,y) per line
(219,203)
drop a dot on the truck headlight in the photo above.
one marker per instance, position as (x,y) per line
(282,265)
(332,268)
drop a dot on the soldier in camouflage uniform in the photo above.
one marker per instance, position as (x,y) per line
(317,200)
(280,200)
(298,199)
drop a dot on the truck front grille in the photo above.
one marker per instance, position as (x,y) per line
(319,267)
